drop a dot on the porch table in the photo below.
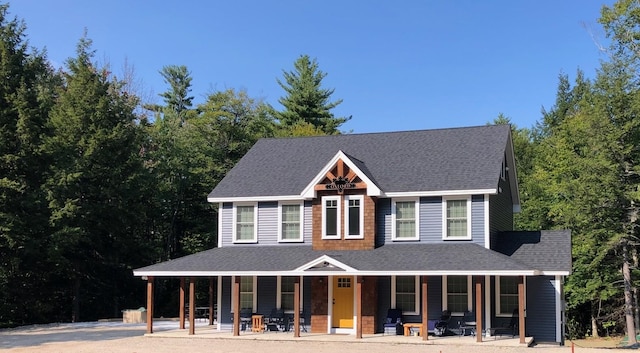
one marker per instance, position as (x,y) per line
(408,325)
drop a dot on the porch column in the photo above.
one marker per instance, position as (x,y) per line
(192,306)
(359,280)
(150,304)
(236,306)
(182,303)
(478,280)
(210,300)
(521,308)
(296,307)
(425,316)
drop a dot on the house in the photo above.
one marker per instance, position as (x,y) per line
(339,229)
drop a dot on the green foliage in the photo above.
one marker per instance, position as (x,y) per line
(306,100)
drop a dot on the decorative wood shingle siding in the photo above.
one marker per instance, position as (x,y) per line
(308,222)
(226,228)
(541,316)
(477,219)
(500,210)
(431,219)
(267,223)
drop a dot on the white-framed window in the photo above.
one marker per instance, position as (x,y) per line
(354,216)
(405,294)
(290,222)
(456,219)
(405,220)
(456,294)
(248,293)
(331,217)
(507,295)
(503,169)
(245,223)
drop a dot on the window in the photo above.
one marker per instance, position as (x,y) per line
(457,216)
(290,223)
(354,216)
(287,290)
(405,294)
(331,217)
(405,220)
(507,300)
(246,292)
(246,219)
(456,296)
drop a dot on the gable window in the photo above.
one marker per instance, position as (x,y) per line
(507,299)
(405,294)
(354,216)
(245,224)
(456,297)
(457,218)
(290,222)
(405,220)
(331,217)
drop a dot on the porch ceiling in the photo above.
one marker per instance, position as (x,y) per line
(296,260)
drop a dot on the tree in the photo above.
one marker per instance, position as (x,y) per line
(306,100)
(93,188)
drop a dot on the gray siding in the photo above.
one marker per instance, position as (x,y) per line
(500,210)
(267,290)
(434,300)
(267,224)
(383,221)
(541,304)
(431,219)
(477,219)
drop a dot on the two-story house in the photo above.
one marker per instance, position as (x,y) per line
(339,229)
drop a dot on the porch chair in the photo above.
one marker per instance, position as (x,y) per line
(276,319)
(392,321)
(245,318)
(441,326)
(468,323)
(511,328)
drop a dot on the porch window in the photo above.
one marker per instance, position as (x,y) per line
(354,216)
(290,222)
(245,229)
(405,220)
(457,218)
(456,297)
(287,291)
(507,300)
(331,217)
(246,292)
(405,294)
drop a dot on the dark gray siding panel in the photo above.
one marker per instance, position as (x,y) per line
(477,219)
(267,292)
(434,297)
(500,210)
(225,310)
(267,223)
(431,219)
(307,232)
(541,309)
(384,301)
(227,224)
(383,221)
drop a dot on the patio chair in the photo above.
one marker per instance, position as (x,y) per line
(511,328)
(392,321)
(245,318)
(441,326)
(468,323)
(276,319)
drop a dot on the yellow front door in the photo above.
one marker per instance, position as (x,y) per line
(342,302)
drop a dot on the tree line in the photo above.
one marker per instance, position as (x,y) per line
(95,182)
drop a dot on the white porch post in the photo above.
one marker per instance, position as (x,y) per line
(487,305)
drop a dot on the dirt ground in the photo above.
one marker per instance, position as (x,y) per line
(121,338)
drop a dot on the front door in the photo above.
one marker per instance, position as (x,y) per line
(342,302)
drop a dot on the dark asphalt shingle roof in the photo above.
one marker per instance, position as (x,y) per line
(547,250)
(426,160)
(388,258)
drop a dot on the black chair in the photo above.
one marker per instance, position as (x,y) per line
(392,321)
(511,328)
(245,318)
(276,319)
(468,323)
(441,326)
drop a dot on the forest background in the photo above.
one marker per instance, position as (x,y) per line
(95,182)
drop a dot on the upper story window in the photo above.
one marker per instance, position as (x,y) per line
(457,218)
(405,220)
(507,298)
(290,222)
(245,225)
(331,217)
(456,296)
(354,216)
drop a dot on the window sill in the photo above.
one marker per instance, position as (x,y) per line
(405,239)
(456,238)
(354,237)
(245,241)
(290,240)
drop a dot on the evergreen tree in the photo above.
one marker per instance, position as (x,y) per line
(306,100)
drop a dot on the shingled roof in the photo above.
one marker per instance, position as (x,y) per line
(545,250)
(413,161)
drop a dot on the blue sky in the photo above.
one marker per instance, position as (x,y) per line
(398,65)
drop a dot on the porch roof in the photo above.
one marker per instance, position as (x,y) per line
(302,260)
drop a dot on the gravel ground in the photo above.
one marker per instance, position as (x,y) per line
(121,338)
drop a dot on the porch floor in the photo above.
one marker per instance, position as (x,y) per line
(204,331)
